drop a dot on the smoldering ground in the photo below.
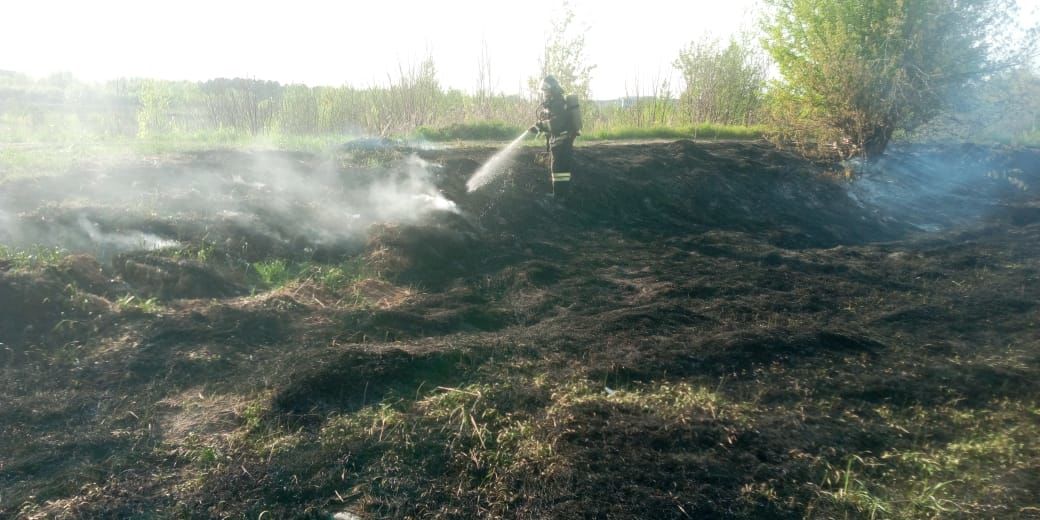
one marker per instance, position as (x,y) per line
(245,200)
(935,188)
(718,299)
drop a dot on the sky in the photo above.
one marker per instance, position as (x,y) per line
(358,43)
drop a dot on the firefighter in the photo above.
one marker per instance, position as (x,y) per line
(560,120)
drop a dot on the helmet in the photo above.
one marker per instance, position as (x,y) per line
(550,84)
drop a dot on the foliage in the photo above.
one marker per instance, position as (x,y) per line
(724,83)
(564,57)
(701,131)
(491,130)
(855,72)
(414,100)
(244,104)
(275,273)
(638,109)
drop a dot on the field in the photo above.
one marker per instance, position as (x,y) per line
(707,329)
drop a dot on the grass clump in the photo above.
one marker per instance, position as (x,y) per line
(279,272)
(133,303)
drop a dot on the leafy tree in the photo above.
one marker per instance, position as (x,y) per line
(724,82)
(856,71)
(414,98)
(564,57)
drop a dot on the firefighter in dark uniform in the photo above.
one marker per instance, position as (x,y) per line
(555,121)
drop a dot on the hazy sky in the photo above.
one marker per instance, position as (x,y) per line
(360,43)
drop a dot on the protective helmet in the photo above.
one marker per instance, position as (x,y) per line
(549,84)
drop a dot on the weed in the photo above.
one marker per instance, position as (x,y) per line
(130,302)
(275,273)
(203,252)
(844,490)
(346,273)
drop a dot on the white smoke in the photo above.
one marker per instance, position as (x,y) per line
(406,196)
(220,196)
(129,241)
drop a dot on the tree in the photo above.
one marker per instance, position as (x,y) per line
(242,104)
(153,114)
(724,83)
(414,98)
(564,57)
(856,71)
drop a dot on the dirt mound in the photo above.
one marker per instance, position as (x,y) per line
(741,351)
(356,378)
(651,317)
(169,278)
(657,468)
(670,188)
(432,254)
(725,354)
(61,301)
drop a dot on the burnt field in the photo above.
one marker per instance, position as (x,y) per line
(703,330)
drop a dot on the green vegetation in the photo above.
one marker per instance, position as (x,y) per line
(854,72)
(725,84)
(279,272)
(940,479)
(563,56)
(143,305)
(702,131)
(854,75)
(32,258)
(471,132)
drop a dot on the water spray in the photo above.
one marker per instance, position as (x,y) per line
(495,165)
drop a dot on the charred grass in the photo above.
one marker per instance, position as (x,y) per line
(617,369)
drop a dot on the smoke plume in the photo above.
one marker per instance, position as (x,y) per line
(268,199)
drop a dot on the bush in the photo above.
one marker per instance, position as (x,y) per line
(481,131)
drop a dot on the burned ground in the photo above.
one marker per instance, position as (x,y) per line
(705,330)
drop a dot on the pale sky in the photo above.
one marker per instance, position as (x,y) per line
(357,43)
